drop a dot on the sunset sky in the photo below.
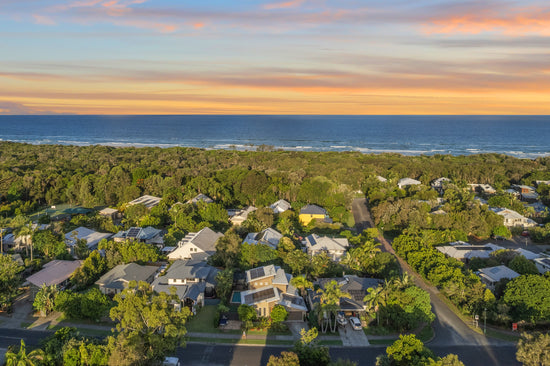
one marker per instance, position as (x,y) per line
(274,57)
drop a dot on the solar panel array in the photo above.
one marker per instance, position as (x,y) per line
(257,273)
(546,261)
(357,295)
(133,232)
(473,247)
(259,296)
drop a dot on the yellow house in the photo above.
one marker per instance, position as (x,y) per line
(312,212)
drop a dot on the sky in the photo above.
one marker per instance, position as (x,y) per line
(274,57)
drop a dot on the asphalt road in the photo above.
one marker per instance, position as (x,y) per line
(198,354)
(449,329)
(32,338)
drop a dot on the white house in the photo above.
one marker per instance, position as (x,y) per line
(92,237)
(466,251)
(146,200)
(240,216)
(405,182)
(201,244)
(268,236)
(512,218)
(334,247)
(491,275)
(280,206)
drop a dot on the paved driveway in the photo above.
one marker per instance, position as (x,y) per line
(352,338)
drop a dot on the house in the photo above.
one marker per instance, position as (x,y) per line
(16,243)
(192,280)
(280,206)
(527,254)
(118,278)
(465,251)
(381,179)
(543,264)
(405,182)
(539,209)
(148,235)
(56,272)
(482,188)
(241,215)
(268,236)
(334,247)
(147,201)
(439,183)
(111,213)
(313,212)
(539,182)
(356,286)
(491,275)
(526,193)
(92,237)
(512,218)
(269,286)
(200,198)
(202,243)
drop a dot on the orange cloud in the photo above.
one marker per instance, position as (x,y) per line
(198,25)
(282,5)
(518,23)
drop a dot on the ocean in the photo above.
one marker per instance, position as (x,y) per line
(519,136)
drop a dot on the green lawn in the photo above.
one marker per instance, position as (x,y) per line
(203,322)
(426,333)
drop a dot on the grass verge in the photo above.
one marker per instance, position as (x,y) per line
(426,333)
(238,341)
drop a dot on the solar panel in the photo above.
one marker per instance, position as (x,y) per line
(263,294)
(133,232)
(256,273)
(546,261)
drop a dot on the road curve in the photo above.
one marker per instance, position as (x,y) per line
(449,329)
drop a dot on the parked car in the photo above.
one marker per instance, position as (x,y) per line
(525,233)
(355,323)
(341,319)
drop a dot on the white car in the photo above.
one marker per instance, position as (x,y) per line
(355,323)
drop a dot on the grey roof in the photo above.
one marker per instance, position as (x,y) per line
(192,291)
(54,272)
(146,200)
(280,206)
(118,277)
(204,239)
(268,236)
(200,197)
(140,233)
(293,302)
(190,268)
(92,237)
(497,273)
(261,272)
(466,251)
(316,242)
(313,210)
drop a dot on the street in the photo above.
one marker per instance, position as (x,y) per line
(198,354)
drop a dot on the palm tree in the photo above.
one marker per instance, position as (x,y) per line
(403,281)
(375,298)
(301,283)
(330,300)
(21,358)
(25,232)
